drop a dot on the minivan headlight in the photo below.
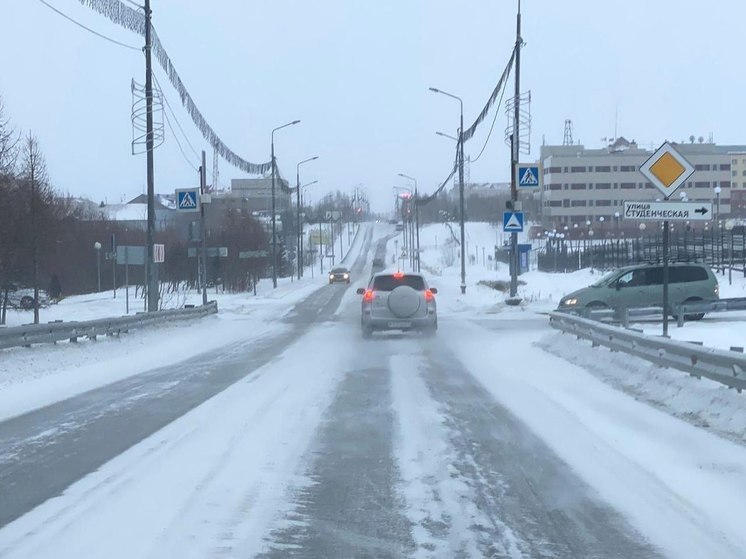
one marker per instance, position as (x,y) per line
(570,302)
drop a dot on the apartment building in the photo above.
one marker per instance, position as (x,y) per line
(587,184)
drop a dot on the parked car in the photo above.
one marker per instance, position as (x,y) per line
(378,263)
(23,299)
(398,301)
(341,275)
(642,286)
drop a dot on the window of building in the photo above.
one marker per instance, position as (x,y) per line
(743,173)
(565,203)
(702,184)
(603,169)
(603,203)
(550,170)
(614,168)
(725,184)
(577,186)
(565,186)
(725,166)
(735,185)
(649,185)
(628,185)
(734,173)
(590,169)
(577,169)
(555,204)
(578,203)
(564,169)
(554,186)
(627,168)
(702,167)
(734,161)
(603,186)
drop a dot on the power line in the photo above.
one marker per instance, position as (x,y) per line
(67,17)
(197,155)
(178,143)
(497,112)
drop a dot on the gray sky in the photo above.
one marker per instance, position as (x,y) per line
(357,74)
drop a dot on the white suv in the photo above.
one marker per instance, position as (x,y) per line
(398,301)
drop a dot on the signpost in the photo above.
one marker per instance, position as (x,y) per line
(513,222)
(127,256)
(667,170)
(672,211)
(528,176)
(187,199)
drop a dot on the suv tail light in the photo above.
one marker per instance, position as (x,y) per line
(368,296)
(429,297)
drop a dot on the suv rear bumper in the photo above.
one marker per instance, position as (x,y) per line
(390,323)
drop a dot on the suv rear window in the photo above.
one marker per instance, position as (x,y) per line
(389,283)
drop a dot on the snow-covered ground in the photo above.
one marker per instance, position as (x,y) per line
(224,478)
(31,378)
(541,291)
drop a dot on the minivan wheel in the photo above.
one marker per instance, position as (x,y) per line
(695,316)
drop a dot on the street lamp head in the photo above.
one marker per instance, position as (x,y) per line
(97,245)
(295,122)
(434,90)
(718,190)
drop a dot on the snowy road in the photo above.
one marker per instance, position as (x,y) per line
(315,443)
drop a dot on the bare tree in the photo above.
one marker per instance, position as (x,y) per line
(8,144)
(34,172)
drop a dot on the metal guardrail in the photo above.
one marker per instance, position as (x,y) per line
(24,336)
(680,312)
(724,367)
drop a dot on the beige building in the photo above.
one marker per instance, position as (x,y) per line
(586,184)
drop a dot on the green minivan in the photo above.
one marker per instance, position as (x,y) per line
(642,286)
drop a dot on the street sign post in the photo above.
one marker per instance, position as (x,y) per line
(253,254)
(528,176)
(667,170)
(513,222)
(187,199)
(671,211)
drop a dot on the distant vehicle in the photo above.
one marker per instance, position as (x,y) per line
(400,227)
(393,222)
(642,286)
(378,263)
(23,299)
(339,275)
(398,301)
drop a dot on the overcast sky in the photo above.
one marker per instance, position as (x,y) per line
(357,74)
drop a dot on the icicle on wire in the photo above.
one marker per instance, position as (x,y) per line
(470,131)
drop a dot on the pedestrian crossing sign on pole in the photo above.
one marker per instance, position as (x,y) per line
(187,199)
(512,222)
(528,176)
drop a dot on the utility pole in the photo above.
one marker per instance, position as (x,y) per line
(34,235)
(149,147)
(461,200)
(202,229)
(274,231)
(516,148)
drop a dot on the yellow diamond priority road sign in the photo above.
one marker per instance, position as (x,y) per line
(667,169)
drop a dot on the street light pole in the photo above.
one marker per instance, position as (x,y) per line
(416,219)
(152,281)
(460,183)
(274,217)
(97,246)
(300,225)
(515,154)
(303,204)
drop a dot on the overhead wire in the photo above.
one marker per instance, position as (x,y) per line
(170,108)
(102,36)
(494,120)
(178,143)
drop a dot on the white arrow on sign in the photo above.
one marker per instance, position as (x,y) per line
(671,211)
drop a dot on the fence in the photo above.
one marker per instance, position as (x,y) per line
(720,249)
(726,367)
(58,331)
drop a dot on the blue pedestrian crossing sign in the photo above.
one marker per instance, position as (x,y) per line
(187,199)
(513,222)
(528,176)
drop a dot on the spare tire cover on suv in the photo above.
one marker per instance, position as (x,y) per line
(404,301)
